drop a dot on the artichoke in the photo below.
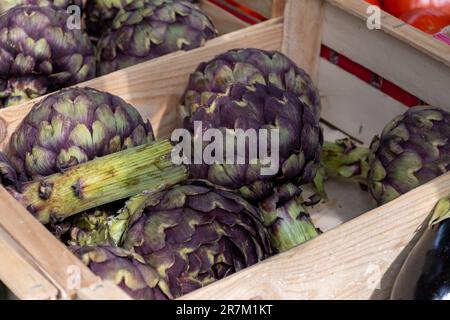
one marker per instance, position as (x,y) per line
(101,13)
(249,66)
(62,4)
(285,216)
(193,234)
(40,54)
(126,269)
(413,149)
(259,107)
(153,29)
(73,126)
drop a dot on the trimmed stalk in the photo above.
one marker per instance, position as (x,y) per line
(344,159)
(103,180)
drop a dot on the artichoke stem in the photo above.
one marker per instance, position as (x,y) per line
(344,159)
(104,180)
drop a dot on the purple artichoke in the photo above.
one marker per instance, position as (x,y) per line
(60,4)
(73,126)
(101,13)
(126,269)
(412,150)
(151,29)
(194,234)
(259,107)
(249,66)
(40,54)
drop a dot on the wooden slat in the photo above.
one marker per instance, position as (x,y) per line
(357,260)
(224,21)
(102,291)
(49,254)
(352,105)
(398,29)
(302,36)
(278,8)
(153,87)
(20,274)
(423,73)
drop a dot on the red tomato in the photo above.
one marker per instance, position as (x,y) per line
(428,20)
(400,7)
(374,2)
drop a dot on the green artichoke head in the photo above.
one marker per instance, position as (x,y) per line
(413,149)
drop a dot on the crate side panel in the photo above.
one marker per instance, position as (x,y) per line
(395,60)
(352,105)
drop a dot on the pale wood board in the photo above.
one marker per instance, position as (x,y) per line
(357,260)
(224,21)
(352,105)
(20,274)
(278,7)
(412,69)
(398,29)
(305,52)
(48,253)
(102,291)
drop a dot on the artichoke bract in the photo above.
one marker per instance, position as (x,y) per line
(62,4)
(249,66)
(260,107)
(153,29)
(73,126)
(126,269)
(194,234)
(39,53)
(413,149)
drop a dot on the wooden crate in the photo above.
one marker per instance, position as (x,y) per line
(355,259)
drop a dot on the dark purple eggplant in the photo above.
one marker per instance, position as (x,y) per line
(425,275)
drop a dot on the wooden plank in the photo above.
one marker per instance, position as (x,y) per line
(357,260)
(153,87)
(302,36)
(20,274)
(50,255)
(352,105)
(278,8)
(418,71)
(102,292)
(398,29)
(224,21)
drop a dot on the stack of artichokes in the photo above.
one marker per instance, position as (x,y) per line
(87,165)
(40,52)
(163,244)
